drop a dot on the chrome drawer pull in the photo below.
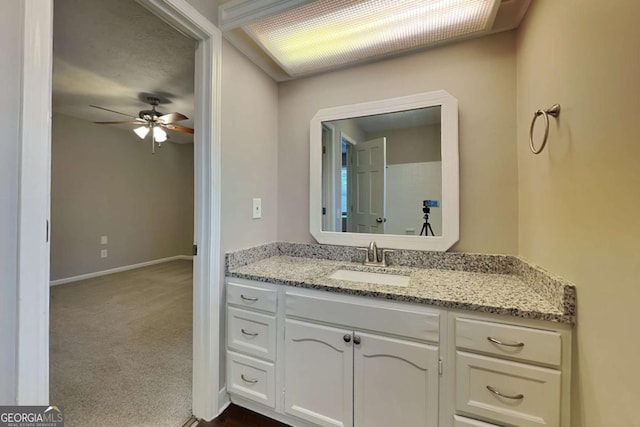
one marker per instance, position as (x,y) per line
(507,344)
(248,298)
(247,380)
(506,396)
(251,334)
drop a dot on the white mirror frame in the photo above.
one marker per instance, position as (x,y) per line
(450,167)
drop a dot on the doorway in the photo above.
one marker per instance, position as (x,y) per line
(33,254)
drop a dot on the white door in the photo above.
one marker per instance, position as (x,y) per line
(395,382)
(318,374)
(368,206)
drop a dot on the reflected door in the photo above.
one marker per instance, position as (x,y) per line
(369,186)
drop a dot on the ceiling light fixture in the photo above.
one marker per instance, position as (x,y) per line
(327,33)
(142,131)
(151,120)
(159,134)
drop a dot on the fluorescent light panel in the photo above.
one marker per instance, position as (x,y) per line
(329,33)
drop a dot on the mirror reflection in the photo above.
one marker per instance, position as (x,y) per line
(383,173)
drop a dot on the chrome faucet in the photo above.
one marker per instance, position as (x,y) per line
(371,258)
(372,253)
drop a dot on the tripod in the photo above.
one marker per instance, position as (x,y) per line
(426,227)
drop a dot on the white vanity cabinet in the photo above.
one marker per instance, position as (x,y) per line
(251,341)
(344,376)
(318,373)
(396,382)
(514,374)
(314,358)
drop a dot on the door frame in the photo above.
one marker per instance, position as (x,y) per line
(328,177)
(350,191)
(32,347)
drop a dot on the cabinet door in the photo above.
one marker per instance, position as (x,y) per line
(318,374)
(395,382)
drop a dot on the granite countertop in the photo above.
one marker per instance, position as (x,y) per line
(496,284)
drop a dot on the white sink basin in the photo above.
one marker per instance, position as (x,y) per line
(368,277)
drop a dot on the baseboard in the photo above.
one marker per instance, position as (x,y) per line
(223,400)
(117,270)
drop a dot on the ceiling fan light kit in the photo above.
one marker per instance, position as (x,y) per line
(152,121)
(159,135)
(142,131)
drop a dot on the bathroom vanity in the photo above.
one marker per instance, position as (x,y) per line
(468,340)
(412,338)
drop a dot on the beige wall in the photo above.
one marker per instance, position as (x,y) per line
(249,160)
(579,199)
(208,9)
(479,73)
(249,152)
(105,181)
(411,145)
(10,40)
(350,128)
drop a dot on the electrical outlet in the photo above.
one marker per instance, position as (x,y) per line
(104,240)
(103,253)
(257,208)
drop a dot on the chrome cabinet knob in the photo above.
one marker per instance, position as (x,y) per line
(356,339)
(347,338)
(379,220)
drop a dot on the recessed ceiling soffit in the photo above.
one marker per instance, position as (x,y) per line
(289,39)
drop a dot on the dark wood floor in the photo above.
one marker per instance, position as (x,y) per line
(235,416)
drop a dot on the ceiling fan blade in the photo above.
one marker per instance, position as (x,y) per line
(177,128)
(172,117)
(113,111)
(126,122)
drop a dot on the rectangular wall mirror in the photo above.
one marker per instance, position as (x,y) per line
(386,171)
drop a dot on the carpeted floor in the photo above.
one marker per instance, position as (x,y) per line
(121,346)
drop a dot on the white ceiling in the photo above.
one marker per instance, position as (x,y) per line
(112,53)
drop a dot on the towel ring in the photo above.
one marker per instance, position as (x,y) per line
(553,111)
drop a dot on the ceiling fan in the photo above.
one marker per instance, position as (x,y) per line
(151,121)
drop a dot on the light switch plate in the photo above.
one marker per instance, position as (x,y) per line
(257,208)
(103,253)
(104,240)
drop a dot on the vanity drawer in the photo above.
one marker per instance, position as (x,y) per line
(251,378)
(370,315)
(249,296)
(526,344)
(530,394)
(251,332)
(468,422)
